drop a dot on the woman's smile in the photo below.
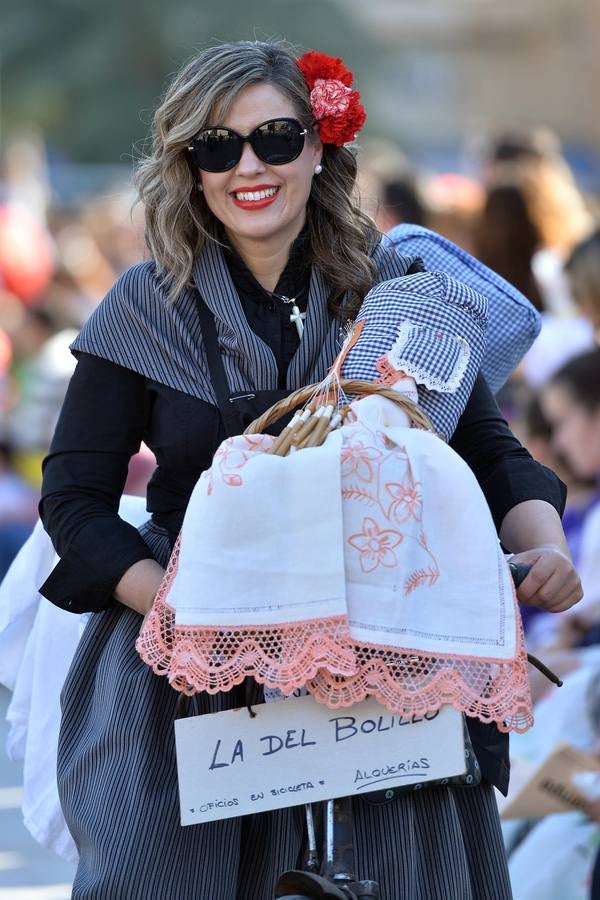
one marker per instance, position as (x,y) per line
(256,197)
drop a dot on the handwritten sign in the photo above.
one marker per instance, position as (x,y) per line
(299,751)
(567,780)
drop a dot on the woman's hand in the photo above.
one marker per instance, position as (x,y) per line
(532,530)
(552,584)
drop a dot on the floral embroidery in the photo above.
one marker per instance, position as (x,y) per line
(232,455)
(407,500)
(375,542)
(357,460)
(375,546)
(419,577)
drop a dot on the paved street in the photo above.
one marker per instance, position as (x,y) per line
(27,871)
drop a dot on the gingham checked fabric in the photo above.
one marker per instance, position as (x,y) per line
(432,328)
(513,322)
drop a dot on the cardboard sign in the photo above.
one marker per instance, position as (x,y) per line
(299,751)
(566,781)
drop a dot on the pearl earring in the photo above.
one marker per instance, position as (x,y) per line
(200,188)
(318,169)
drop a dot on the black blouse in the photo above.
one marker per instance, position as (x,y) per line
(267,313)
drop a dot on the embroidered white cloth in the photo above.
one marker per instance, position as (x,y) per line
(369,565)
(244,554)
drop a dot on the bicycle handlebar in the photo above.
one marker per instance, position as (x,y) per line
(519,572)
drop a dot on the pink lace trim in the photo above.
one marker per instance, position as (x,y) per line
(485,689)
(207,659)
(321,655)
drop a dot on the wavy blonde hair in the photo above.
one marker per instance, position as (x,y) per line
(178,220)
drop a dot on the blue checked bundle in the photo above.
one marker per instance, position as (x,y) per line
(513,322)
(430,327)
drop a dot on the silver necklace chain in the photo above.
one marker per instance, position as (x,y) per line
(281,297)
(296,317)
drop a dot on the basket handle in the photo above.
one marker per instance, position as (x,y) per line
(416,415)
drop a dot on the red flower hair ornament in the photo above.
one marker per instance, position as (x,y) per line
(335,106)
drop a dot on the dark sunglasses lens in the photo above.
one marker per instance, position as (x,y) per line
(278,142)
(217,149)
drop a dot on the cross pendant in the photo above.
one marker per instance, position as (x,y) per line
(298,318)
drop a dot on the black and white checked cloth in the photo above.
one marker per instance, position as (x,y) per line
(432,328)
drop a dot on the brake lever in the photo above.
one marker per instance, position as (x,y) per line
(519,572)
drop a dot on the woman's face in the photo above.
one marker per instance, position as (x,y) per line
(251,218)
(575,429)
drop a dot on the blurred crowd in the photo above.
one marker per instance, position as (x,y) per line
(520,211)
(525,216)
(57,260)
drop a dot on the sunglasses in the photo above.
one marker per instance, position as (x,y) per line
(275,142)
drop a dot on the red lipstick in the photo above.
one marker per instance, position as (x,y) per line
(254,204)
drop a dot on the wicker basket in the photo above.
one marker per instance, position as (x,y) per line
(350,387)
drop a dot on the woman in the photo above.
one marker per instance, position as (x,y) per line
(583,271)
(248,206)
(507,238)
(571,403)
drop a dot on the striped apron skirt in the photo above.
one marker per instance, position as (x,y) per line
(117,782)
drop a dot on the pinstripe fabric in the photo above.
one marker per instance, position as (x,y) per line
(116,758)
(118,786)
(445,844)
(137,327)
